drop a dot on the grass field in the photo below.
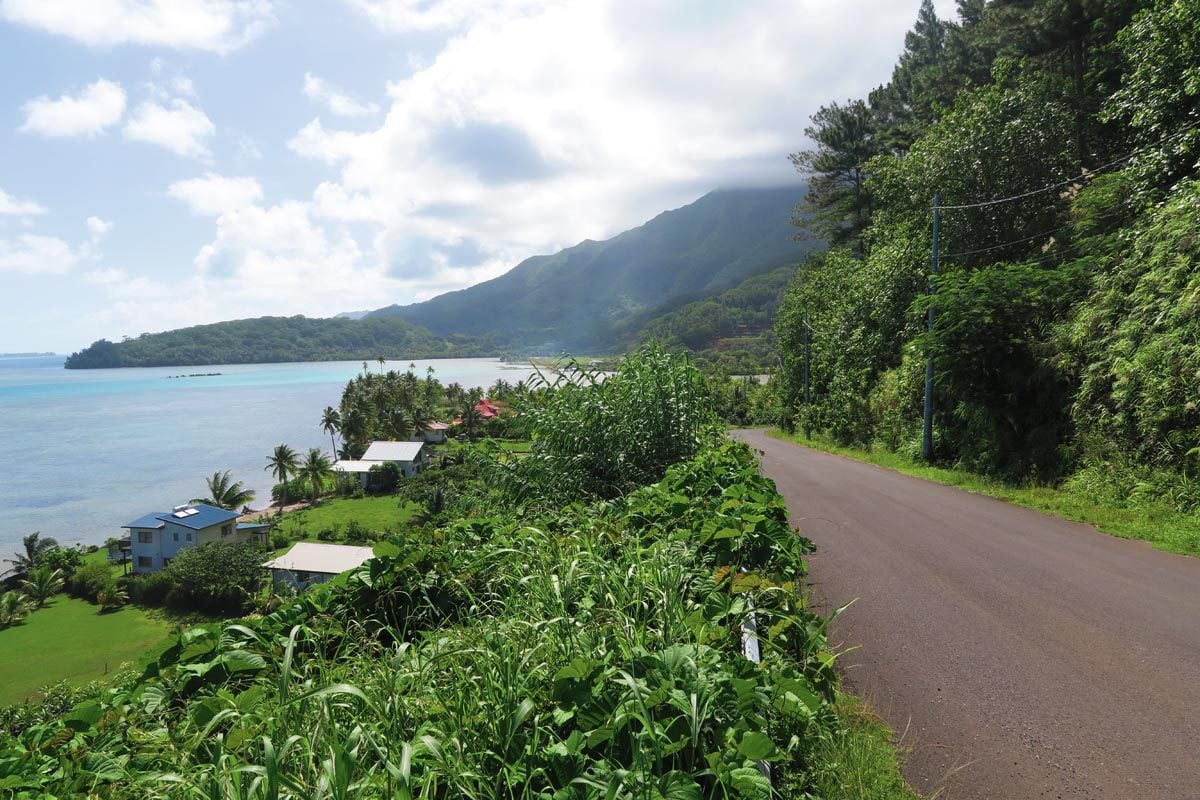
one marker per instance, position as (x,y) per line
(373,513)
(68,640)
(1165,528)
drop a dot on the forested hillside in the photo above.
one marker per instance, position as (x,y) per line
(1061,138)
(278,339)
(582,298)
(733,330)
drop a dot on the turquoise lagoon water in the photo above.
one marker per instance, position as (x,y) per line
(89,450)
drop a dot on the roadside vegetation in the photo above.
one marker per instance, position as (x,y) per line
(1061,140)
(564,631)
(1147,520)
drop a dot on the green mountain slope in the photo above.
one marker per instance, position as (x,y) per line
(276,339)
(584,296)
(746,310)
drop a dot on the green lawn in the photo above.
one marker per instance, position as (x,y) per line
(68,640)
(374,513)
(1165,528)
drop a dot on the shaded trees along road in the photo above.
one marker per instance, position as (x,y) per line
(1023,655)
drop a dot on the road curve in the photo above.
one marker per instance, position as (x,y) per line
(1023,656)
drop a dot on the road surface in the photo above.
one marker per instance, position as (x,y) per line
(1023,656)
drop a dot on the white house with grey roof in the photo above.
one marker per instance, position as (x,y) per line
(410,457)
(310,563)
(159,536)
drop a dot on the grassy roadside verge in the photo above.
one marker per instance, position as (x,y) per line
(868,757)
(1165,528)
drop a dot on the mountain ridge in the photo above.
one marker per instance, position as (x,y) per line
(577,298)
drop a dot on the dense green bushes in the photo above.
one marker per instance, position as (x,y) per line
(590,651)
(597,436)
(1066,334)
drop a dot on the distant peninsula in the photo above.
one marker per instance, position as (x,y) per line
(27,355)
(265,340)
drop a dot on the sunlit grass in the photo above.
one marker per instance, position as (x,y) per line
(68,640)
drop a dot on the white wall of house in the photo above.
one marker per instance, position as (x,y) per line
(153,548)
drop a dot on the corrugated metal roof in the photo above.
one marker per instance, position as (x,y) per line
(205,517)
(151,520)
(326,558)
(393,451)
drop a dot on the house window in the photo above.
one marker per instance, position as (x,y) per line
(227,529)
(189,536)
(145,562)
(175,535)
(145,537)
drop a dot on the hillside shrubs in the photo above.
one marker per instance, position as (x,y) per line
(598,436)
(218,577)
(89,580)
(587,651)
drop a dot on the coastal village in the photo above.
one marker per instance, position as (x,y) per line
(224,555)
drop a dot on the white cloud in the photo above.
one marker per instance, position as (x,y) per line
(32,254)
(543,123)
(10,205)
(99,228)
(108,276)
(212,195)
(99,106)
(339,103)
(422,15)
(181,128)
(210,25)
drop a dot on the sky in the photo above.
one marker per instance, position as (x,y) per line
(166,163)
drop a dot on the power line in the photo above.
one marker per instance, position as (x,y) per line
(1075,179)
(1051,232)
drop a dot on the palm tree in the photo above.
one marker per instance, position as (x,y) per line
(396,425)
(381,361)
(282,463)
(226,493)
(470,418)
(35,547)
(13,608)
(331,423)
(316,469)
(41,584)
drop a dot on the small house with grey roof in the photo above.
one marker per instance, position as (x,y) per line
(158,537)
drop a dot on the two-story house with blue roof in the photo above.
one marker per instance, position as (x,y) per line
(158,537)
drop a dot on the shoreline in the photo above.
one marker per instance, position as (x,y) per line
(160,443)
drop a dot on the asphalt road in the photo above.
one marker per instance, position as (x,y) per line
(1021,655)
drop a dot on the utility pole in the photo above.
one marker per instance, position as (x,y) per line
(807,364)
(927,435)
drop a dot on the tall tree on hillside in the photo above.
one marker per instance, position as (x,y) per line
(838,205)
(356,430)
(331,423)
(282,463)
(316,471)
(470,417)
(226,493)
(396,425)
(919,86)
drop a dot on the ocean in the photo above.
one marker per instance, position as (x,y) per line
(94,449)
